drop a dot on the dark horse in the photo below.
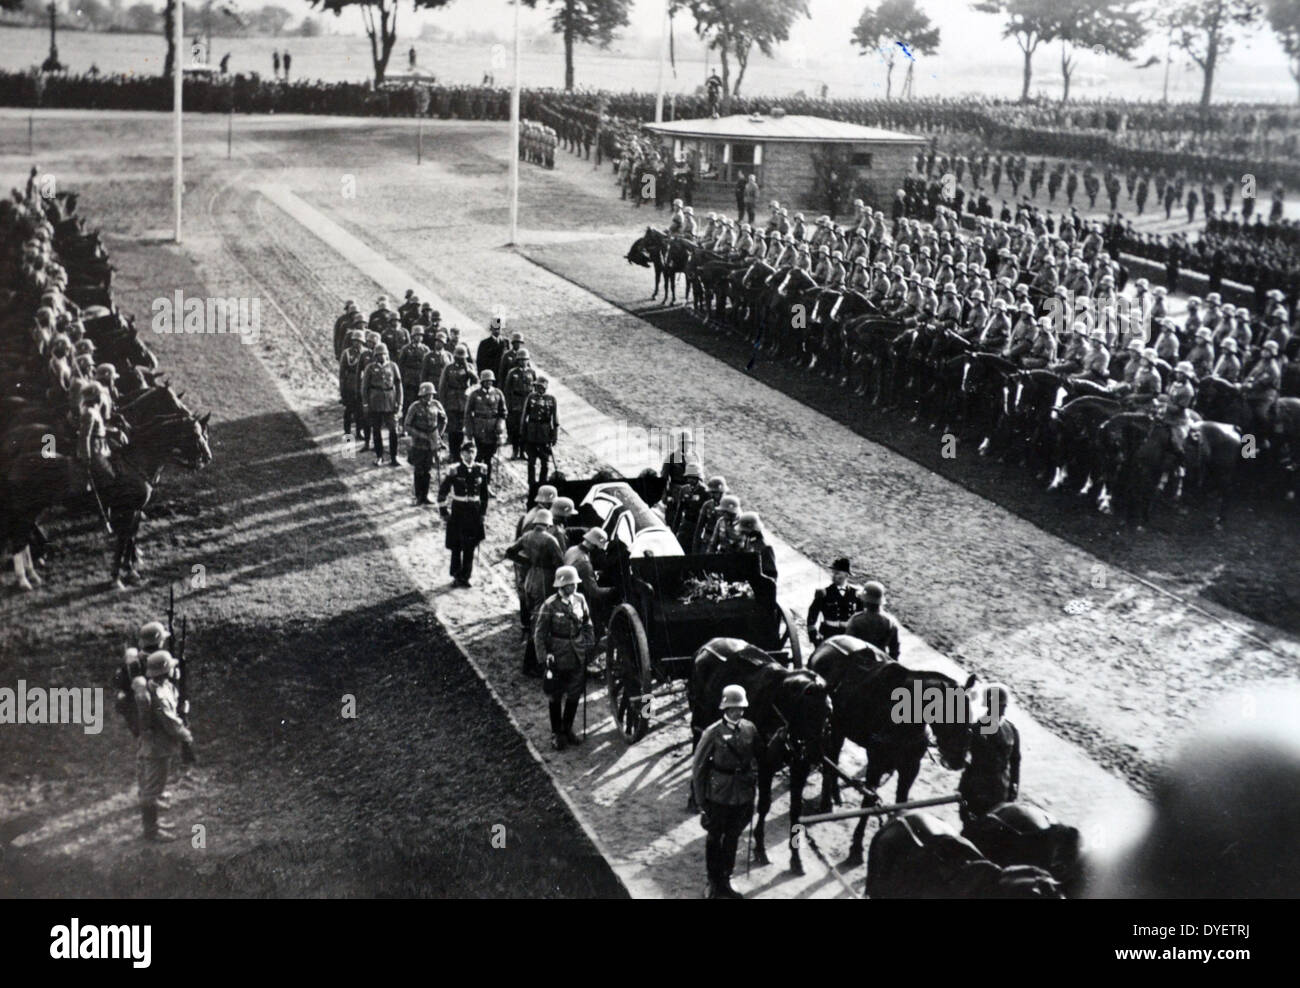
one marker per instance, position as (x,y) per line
(788,706)
(1020,834)
(668,255)
(33,483)
(918,856)
(863,694)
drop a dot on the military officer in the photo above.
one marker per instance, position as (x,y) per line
(510,355)
(485,414)
(457,380)
(381,397)
(565,636)
(350,366)
(832,606)
(992,773)
(461,498)
(539,426)
(873,624)
(425,423)
(410,362)
(517,387)
(163,736)
(723,774)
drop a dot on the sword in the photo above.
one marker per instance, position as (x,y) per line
(94,489)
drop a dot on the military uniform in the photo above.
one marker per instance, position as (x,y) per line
(723,777)
(381,396)
(563,630)
(877,628)
(538,427)
(833,605)
(461,496)
(425,424)
(163,736)
(485,413)
(350,365)
(410,362)
(457,380)
(992,774)
(518,386)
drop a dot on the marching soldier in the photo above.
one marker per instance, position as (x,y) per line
(992,773)
(163,736)
(425,422)
(457,380)
(461,505)
(725,536)
(381,398)
(510,355)
(518,386)
(350,366)
(538,553)
(410,363)
(437,359)
(382,318)
(409,310)
(704,524)
(723,774)
(832,606)
(485,414)
(539,426)
(873,624)
(565,636)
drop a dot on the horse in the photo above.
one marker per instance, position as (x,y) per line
(789,707)
(918,856)
(863,707)
(1142,451)
(33,483)
(1020,834)
(1075,427)
(668,256)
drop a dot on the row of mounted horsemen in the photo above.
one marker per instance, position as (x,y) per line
(85,422)
(1029,373)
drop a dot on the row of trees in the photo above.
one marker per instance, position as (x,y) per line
(146,18)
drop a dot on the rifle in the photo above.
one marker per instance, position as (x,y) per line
(183,703)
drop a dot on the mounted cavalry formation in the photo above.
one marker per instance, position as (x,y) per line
(1018,337)
(85,423)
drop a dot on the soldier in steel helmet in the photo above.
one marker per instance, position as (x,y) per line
(564,635)
(163,736)
(874,624)
(723,775)
(425,423)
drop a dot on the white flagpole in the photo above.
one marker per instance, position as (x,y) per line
(663,56)
(514,139)
(178,182)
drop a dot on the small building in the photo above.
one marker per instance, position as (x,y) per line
(778,148)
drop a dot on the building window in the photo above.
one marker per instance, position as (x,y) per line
(861,159)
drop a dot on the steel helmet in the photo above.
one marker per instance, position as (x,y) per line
(823,249)
(1229,343)
(427,388)
(896,269)
(914,277)
(1149,353)
(152,635)
(749,522)
(999,303)
(1185,368)
(1135,344)
(1193,300)
(381,350)
(546,494)
(562,507)
(950,288)
(461,350)
(733,697)
(543,517)
(596,537)
(354,336)
(1098,334)
(1204,333)
(516,337)
(677,204)
(487,377)
(159,663)
(106,371)
(837,255)
(690,211)
(961,266)
(925,251)
(860,261)
(1027,308)
(874,590)
(1271,345)
(520,354)
(566,576)
(1214,298)
(945,259)
(977,295)
(692,469)
(729,503)
(717,484)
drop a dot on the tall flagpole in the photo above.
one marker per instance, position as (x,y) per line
(514,138)
(178,182)
(663,56)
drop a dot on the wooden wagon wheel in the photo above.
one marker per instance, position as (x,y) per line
(627,673)
(790,637)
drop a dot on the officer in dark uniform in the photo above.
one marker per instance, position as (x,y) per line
(833,605)
(539,425)
(873,623)
(491,348)
(722,780)
(461,499)
(992,774)
(565,637)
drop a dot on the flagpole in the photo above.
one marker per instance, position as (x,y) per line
(514,139)
(663,55)
(178,182)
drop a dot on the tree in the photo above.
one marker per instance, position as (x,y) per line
(592,22)
(310,28)
(734,27)
(1030,22)
(1284,18)
(1205,29)
(895,24)
(1112,25)
(272,19)
(380,17)
(142,17)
